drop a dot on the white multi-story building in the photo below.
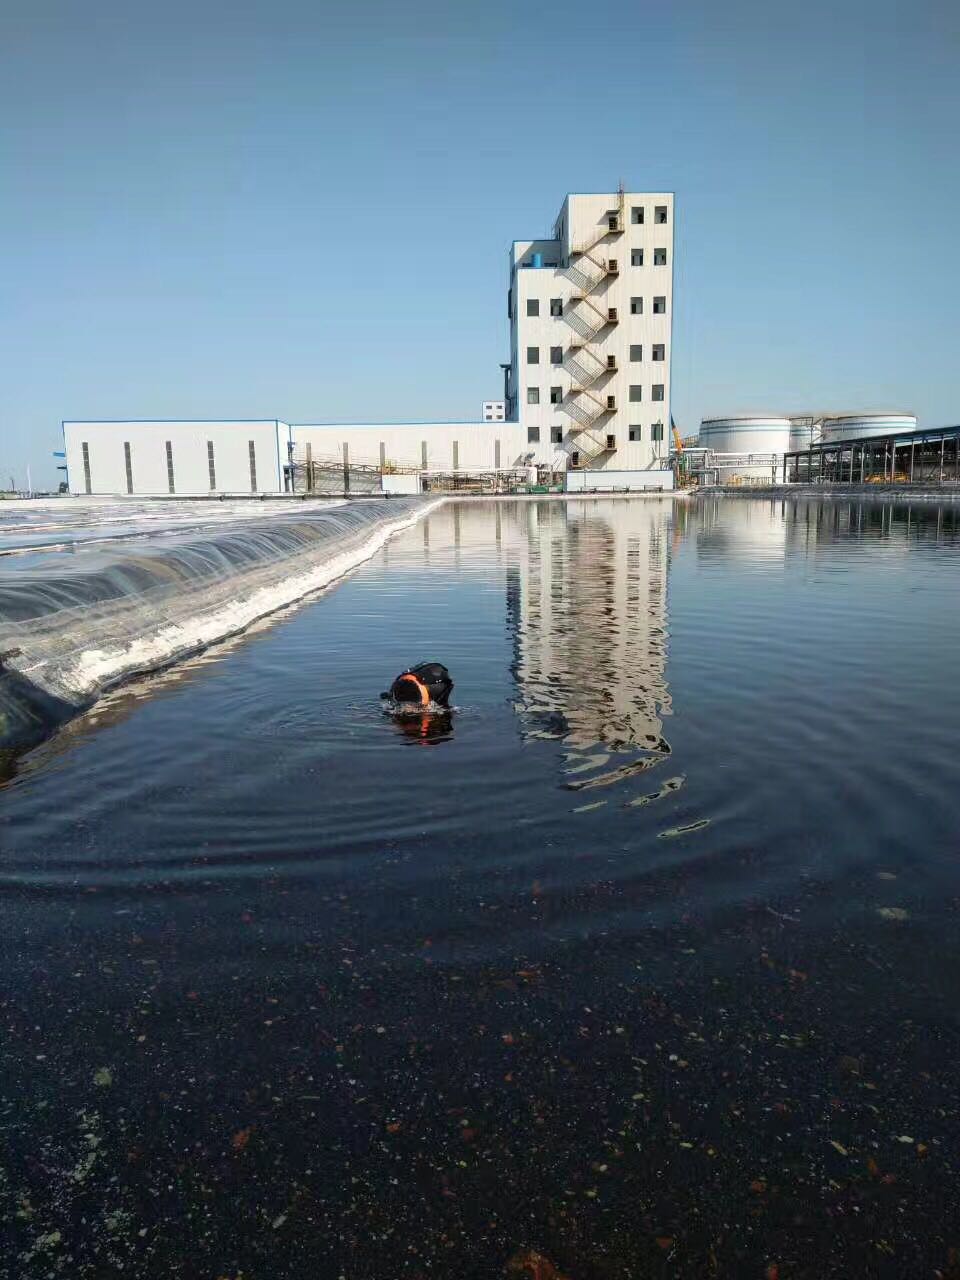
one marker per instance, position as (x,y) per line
(591,313)
(588,385)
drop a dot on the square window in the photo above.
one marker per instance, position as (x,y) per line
(533,306)
(533,355)
(660,306)
(636,257)
(657,391)
(659,257)
(659,351)
(556,355)
(636,306)
(556,395)
(656,431)
(556,306)
(533,435)
(636,393)
(636,351)
(556,435)
(636,215)
(533,395)
(635,433)
(660,214)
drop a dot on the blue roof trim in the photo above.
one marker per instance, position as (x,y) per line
(431,422)
(90,422)
(616,193)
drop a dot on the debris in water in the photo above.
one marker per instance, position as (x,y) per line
(103,1077)
(893,913)
(617,775)
(685,830)
(583,763)
(669,785)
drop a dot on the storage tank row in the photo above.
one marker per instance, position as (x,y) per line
(766,434)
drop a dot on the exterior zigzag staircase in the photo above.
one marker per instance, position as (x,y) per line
(585,362)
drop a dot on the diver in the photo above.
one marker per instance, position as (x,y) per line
(420,690)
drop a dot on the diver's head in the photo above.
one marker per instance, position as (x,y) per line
(427,684)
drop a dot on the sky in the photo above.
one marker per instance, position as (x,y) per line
(302,210)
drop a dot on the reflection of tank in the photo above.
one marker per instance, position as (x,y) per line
(747,529)
(590,616)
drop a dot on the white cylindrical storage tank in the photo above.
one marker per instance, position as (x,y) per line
(760,435)
(804,431)
(851,426)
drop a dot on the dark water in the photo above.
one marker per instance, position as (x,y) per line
(648,962)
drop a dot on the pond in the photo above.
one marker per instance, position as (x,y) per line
(642,964)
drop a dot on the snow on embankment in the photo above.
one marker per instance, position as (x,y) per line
(73,625)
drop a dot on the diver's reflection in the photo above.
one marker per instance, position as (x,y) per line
(426,729)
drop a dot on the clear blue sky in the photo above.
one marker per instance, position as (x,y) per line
(302,210)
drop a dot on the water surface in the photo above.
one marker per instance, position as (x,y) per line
(646,961)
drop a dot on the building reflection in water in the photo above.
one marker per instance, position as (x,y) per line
(587,603)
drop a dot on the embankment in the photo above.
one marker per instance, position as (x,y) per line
(77,623)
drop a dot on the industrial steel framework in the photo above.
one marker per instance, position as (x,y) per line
(928,458)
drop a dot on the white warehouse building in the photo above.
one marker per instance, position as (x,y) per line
(193,459)
(588,385)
